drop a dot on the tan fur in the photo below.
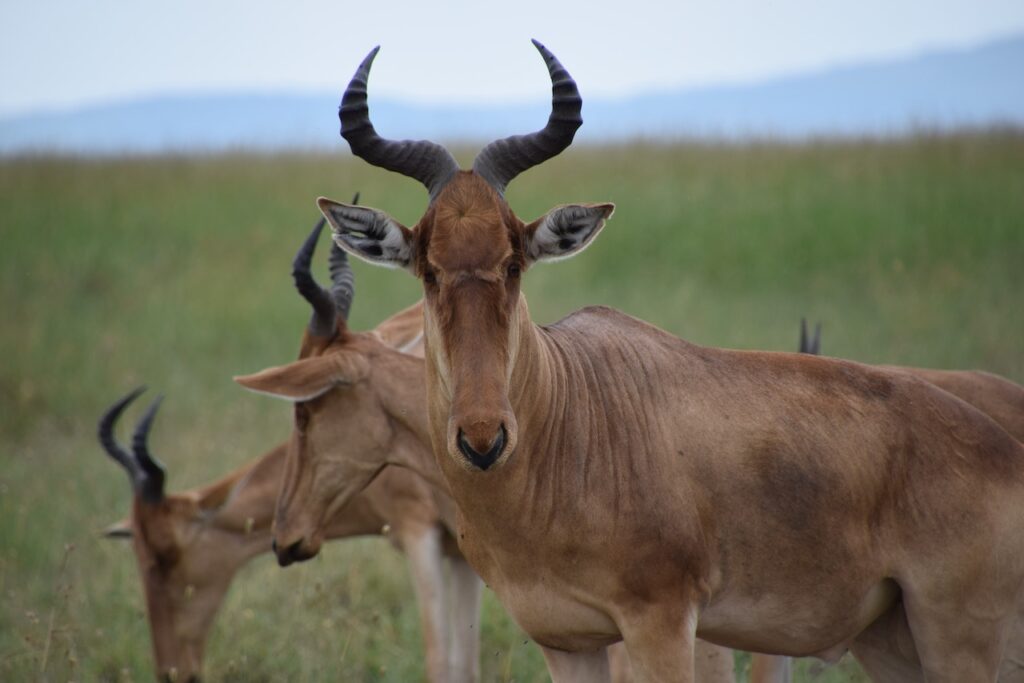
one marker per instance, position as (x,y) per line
(190,545)
(653,490)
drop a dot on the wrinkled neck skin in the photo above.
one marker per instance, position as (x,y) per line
(566,414)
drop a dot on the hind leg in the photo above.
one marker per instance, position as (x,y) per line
(886,649)
(959,638)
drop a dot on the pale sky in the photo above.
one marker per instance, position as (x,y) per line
(61,53)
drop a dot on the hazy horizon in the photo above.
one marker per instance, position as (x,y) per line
(64,55)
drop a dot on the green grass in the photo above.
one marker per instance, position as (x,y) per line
(174,272)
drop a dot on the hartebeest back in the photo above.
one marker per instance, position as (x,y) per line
(614,481)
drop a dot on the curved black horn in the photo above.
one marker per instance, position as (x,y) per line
(152,474)
(343,280)
(427,162)
(322,322)
(105,432)
(502,160)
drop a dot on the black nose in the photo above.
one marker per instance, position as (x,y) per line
(293,553)
(483,460)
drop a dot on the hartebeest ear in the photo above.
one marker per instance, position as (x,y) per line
(565,230)
(121,529)
(308,378)
(370,234)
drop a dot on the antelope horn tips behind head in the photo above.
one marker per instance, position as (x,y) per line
(425,161)
(502,160)
(343,281)
(322,322)
(152,474)
(804,348)
(105,432)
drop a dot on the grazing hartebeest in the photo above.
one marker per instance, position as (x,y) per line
(614,481)
(189,545)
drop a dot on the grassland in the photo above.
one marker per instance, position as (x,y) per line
(174,272)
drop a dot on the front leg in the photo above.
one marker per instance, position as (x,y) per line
(422,545)
(660,641)
(577,667)
(464,646)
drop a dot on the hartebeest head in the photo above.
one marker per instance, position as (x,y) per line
(182,595)
(470,250)
(341,386)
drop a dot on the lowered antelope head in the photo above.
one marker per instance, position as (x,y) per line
(186,563)
(341,388)
(470,251)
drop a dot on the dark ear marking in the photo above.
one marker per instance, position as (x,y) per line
(368,233)
(566,230)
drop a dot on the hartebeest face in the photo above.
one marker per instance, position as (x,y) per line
(185,563)
(342,435)
(470,250)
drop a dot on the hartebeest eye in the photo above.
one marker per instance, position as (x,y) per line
(429,278)
(513,271)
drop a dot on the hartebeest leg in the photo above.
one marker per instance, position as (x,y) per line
(464,634)
(958,639)
(771,669)
(423,548)
(886,649)
(577,667)
(712,664)
(660,643)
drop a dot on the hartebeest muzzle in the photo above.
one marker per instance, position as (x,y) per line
(483,457)
(293,552)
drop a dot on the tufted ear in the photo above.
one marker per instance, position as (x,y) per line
(370,234)
(565,230)
(308,378)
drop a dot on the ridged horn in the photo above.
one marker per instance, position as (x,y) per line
(502,160)
(322,322)
(427,162)
(151,483)
(343,280)
(105,432)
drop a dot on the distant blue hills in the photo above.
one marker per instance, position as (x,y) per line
(940,90)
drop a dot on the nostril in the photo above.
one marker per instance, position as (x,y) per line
(483,460)
(288,554)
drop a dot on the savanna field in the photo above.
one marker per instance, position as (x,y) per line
(174,272)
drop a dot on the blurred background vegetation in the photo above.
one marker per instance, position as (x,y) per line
(174,272)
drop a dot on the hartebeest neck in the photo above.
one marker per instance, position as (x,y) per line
(399,381)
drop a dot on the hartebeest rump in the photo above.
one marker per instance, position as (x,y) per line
(189,545)
(614,481)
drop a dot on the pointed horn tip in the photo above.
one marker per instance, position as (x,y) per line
(114,411)
(368,59)
(355,198)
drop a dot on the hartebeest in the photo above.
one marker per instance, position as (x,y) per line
(1000,399)
(189,545)
(616,482)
